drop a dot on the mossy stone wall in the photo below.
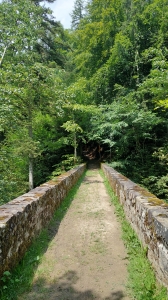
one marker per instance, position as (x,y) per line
(148,216)
(23,218)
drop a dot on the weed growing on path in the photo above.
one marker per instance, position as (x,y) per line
(98,247)
(142,281)
(19,280)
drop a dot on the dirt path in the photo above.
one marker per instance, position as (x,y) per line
(86,258)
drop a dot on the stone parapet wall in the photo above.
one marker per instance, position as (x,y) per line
(148,216)
(22,219)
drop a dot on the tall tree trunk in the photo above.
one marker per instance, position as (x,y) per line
(30,173)
(137,65)
(30,156)
(3,54)
(75,148)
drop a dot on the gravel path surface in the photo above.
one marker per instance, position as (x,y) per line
(86,258)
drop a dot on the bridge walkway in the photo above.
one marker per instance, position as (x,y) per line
(86,258)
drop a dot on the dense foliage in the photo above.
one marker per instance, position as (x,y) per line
(98,89)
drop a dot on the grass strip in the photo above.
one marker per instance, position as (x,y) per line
(19,280)
(142,283)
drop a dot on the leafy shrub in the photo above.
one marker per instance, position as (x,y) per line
(158,186)
(66,164)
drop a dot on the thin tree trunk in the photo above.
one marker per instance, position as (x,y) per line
(1,59)
(30,160)
(137,66)
(75,148)
(30,173)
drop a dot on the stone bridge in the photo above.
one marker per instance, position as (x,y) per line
(22,219)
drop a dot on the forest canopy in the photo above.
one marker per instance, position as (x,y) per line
(98,90)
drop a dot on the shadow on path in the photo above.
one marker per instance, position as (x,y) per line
(64,289)
(93,164)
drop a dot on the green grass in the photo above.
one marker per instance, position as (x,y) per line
(142,282)
(19,280)
(98,247)
(90,173)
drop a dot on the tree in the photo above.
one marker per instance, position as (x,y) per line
(27,92)
(20,26)
(73,128)
(77,13)
(24,80)
(106,81)
(154,91)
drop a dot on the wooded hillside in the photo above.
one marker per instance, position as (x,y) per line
(99,90)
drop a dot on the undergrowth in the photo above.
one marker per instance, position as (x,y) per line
(142,282)
(19,280)
(66,164)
